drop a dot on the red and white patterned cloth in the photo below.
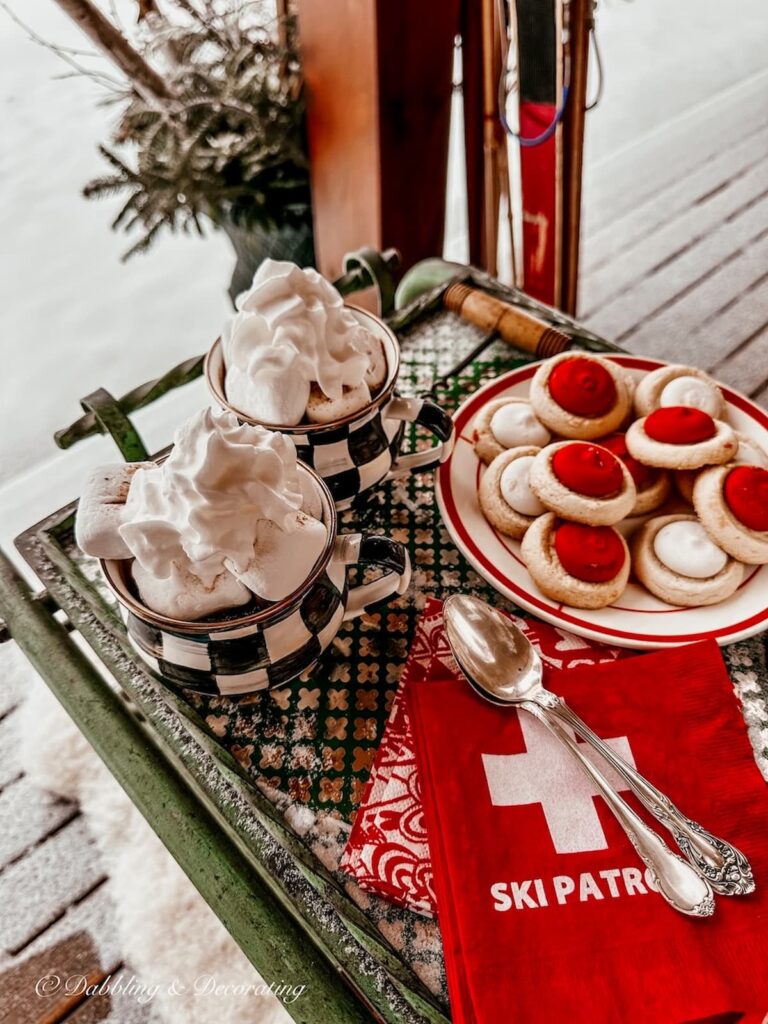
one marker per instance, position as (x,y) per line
(387,852)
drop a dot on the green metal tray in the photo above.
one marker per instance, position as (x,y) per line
(273,779)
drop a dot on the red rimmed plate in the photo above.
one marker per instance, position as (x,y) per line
(638,619)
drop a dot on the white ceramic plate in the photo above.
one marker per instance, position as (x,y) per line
(638,619)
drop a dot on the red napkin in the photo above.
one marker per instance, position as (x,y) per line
(387,851)
(545,910)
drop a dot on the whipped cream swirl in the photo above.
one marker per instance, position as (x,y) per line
(291,329)
(201,506)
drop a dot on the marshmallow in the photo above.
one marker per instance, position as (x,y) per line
(685,548)
(516,489)
(515,424)
(101,510)
(183,595)
(376,374)
(689,390)
(321,409)
(261,397)
(282,560)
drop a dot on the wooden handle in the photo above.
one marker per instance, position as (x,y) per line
(513,325)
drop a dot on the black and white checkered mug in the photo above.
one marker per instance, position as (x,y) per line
(357,452)
(238,653)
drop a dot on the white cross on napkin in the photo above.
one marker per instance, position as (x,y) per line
(547,774)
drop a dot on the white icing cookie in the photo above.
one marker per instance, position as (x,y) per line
(687,550)
(505,497)
(678,385)
(507,423)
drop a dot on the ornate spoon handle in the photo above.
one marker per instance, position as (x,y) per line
(725,868)
(678,882)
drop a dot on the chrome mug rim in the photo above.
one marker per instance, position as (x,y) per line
(213,370)
(115,570)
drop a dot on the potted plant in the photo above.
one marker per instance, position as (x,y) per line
(219,137)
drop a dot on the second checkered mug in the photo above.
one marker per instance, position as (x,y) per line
(240,651)
(356,453)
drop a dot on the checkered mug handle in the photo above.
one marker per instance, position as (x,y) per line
(375,550)
(425,414)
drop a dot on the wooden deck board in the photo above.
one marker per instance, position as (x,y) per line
(739,369)
(11,692)
(695,327)
(691,190)
(24,1002)
(57,912)
(641,172)
(620,317)
(119,1006)
(10,769)
(36,890)
(95,914)
(29,816)
(675,237)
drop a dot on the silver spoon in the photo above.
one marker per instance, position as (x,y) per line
(501,663)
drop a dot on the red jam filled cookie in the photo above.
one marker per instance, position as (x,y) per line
(653,486)
(581,396)
(584,482)
(681,437)
(578,565)
(732,504)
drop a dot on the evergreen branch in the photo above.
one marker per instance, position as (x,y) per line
(232,144)
(125,209)
(143,244)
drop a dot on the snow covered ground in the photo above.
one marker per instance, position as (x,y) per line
(73,317)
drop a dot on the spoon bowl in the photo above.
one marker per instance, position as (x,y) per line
(492,652)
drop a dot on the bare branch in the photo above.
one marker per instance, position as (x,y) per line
(101,30)
(67,54)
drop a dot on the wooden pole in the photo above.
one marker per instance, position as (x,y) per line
(472,96)
(581,21)
(490,120)
(378,85)
(101,31)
